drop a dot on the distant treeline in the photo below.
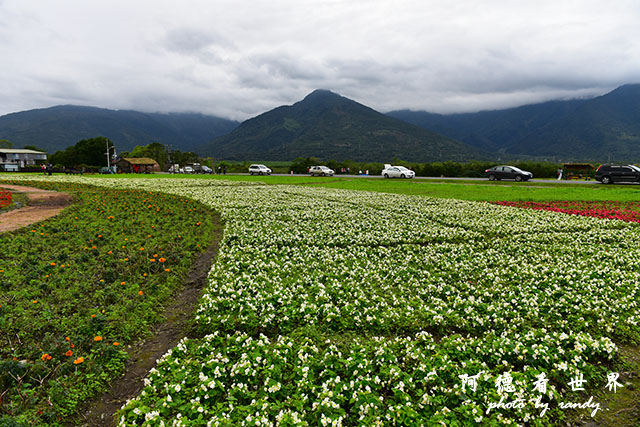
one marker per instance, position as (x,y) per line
(91,154)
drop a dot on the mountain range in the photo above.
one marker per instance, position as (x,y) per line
(59,127)
(329,126)
(604,128)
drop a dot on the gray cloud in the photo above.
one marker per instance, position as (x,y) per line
(240,59)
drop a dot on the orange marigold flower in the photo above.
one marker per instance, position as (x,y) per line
(69,353)
(116,343)
(152,259)
(52,264)
(97,338)
(78,361)
(140,293)
(167,270)
(93,316)
(35,301)
(161,260)
(142,249)
(45,357)
(67,339)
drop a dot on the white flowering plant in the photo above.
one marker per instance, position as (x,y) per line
(338,307)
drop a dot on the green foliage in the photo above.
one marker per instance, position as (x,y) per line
(4,143)
(155,151)
(91,152)
(75,289)
(184,158)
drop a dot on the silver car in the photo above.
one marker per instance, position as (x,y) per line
(259,170)
(397,172)
(320,171)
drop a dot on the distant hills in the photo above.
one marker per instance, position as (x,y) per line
(57,128)
(603,128)
(329,126)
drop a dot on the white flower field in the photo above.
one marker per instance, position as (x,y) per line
(345,308)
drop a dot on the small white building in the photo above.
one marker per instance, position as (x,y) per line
(12,159)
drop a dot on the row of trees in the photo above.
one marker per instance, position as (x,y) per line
(92,153)
(160,154)
(87,152)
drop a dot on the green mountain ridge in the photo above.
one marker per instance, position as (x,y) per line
(329,126)
(605,128)
(57,128)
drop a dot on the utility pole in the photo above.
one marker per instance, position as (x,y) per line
(108,156)
(108,153)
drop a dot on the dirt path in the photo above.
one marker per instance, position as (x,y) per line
(43,204)
(143,355)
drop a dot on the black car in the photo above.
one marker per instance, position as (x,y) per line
(507,172)
(608,174)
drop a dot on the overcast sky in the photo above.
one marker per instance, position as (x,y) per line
(237,59)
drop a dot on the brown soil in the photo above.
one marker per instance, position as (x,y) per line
(143,354)
(43,204)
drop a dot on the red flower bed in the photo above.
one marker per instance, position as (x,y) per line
(624,211)
(5,198)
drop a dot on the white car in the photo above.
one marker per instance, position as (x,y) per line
(321,171)
(188,169)
(259,170)
(397,172)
